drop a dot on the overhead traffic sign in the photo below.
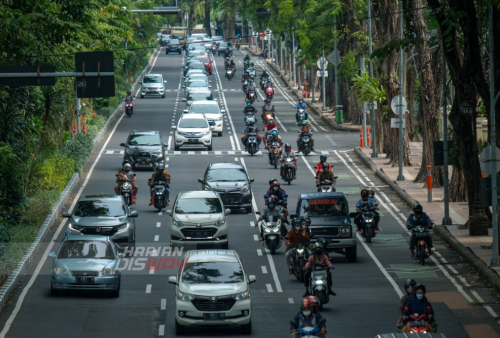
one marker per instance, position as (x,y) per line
(395,105)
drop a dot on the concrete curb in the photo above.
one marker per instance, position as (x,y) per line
(14,278)
(467,254)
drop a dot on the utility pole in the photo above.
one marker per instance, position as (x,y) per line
(311,85)
(446,218)
(400,107)
(323,81)
(335,65)
(78,124)
(293,57)
(372,108)
(362,69)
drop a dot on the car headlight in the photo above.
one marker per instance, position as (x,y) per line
(220,222)
(244,189)
(108,272)
(177,223)
(75,227)
(129,151)
(206,132)
(300,251)
(185,297)
(61,270)
(122,227)
(242,296)
(344,230)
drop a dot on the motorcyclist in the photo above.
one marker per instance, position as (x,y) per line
(280,194)
(233,65)
(250,127)
(305,128)
(269,83)
(247,58)
(272,140)
(307,318)
(271,210)
(244,77)
(408,286)
(127,175)
(227,53)
(296,235)
(319,165)
(419,218)
(301,105)
(267,107)
(365,201)
(264,75)
(160,175)
(270,125)
(325,174)
(288,153)
(249,109)
(318,258)
(251,87)
(129,97)
(418,303)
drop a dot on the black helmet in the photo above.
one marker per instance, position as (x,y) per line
(296,221)
(272,201)
(322,158)
(272,180)
(409,282)
(364,192)
(418,207)
(419,286)
(251,64)
(326,166)
(129,92)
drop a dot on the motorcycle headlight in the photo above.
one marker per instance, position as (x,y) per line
(177,223)
(344,230)
(61,270)
(75,227)
(244,189)
(242,296)
(276,229)
(319,281)
(127,185)
(368,219)
(122,227)
(108,272)
(185,297)
(300,251)
(220,221)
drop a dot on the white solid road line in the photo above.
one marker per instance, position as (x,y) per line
(169,142)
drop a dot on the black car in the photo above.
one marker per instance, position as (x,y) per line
(142,148)
(173,46)
(330,221)
(223,46)
(232,183)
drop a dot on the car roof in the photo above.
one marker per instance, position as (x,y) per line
(151,74)
(204,102)
(145,132)
(199,90)
(225,166)
(198,194)
(101,197)
(87,238)
(197,80)
(192,116)
(321,195)
(198,256)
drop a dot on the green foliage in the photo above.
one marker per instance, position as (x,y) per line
(78,147)
(11,192)
(348,67)
(105,111)
(368,89)
(56,172)
(39,206)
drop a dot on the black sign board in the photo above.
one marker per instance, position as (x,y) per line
(101,86)
(27,81)
(486,191)
(439,153)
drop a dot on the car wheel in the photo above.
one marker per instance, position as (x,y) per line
(179,329)
(225,246)
(179,53)
(209,148)
(53,291)
(249,210)
(116,293)
(219,133)
(142,96)
(177,147)
(246,329)
(351,254)
(166,52)
(163,96)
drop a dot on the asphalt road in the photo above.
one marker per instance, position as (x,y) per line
(367,291)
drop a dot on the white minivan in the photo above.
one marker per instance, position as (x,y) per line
(153,85)
(212,112)
(193,130)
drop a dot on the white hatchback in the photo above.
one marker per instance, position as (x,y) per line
(221,297)
(211,111)
(193,130)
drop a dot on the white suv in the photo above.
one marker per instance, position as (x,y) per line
(221,297)
(193,130)
(153,85)
(211,111)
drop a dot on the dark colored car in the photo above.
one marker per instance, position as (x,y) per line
(232,183)
(329,214)
(142,148)
(223,46)
(173,46)
(104,215)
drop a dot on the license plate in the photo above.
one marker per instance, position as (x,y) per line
(214,316)
(84,279)
(192,140)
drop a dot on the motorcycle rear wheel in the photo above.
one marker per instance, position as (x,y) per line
(369,234)
(301,271)
(422,255)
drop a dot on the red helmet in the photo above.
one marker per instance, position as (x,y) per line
(305,304)
(275,185)
(288,147)
(315,303)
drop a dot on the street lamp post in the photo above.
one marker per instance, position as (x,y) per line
(372,108)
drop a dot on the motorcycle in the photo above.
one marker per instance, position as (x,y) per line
(252,142)
(245,86)
(309,331)
(159,198)
(418,324)
(272,231)
(129,108)
(288,173)
(327,185)
(422,252)
(214,49)
(305,143)
(229,73)
(302,116)
(126,191)
(246,64)
(318,285)
(299,259)
(268,114)
(251,73)
(275,154)
(269,93)
(238,45)
(208,67)
(263,82)
(368,223)
(249,115)
(251,96)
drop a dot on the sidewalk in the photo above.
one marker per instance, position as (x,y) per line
(474,249)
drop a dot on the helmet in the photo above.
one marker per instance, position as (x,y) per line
(251,64)
(305,122)
(416,207)
(127,165)
(322,158)
(315,303)
(268,80)
(272,201)
(301,100)
(288,147)
(364,192)
(295,222)
(318,247)
(275,133)
(419,286)
(249,103)
(409,282)
(326,166)
(232,60)
(129,92)
(272,180)
(276,185)
(271,120)
(305,304)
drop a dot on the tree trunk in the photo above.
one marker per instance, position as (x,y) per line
(458,190)
(207,18)
(431,95)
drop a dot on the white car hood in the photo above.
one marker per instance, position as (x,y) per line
(193,130)
(213,116)
(221,289)
(198,218)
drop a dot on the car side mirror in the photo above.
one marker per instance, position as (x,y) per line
(169,212)
(200,180)
(123,145)
(185,111)
(257,212)
(66,214)
(172,280)
(183,100)
(174,127)
(51,254)
(120,255)
(251,180)
(134,214)
(252,279)
(223,111)
(227,211)
(183,86)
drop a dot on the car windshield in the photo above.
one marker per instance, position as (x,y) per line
(194,71)
(197,65)
(151,79)
(174,42)
(213,273)
(86,249)
(144,140)
(193,84)
(204,109)
(193,123)
(226,175)
(324,207)
(198,206)
(178,36)
(223,44)
(110,208)
(200,97)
